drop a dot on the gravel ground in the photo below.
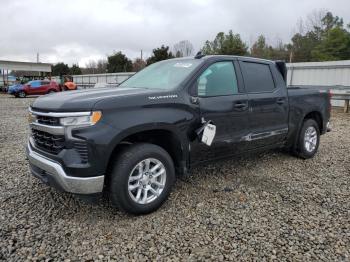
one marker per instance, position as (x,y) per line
(263,207)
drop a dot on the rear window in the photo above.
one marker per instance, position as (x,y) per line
(257,77)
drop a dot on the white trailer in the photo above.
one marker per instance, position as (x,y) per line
(92,80)
(334,75)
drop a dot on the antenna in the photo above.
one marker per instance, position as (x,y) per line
(199,55)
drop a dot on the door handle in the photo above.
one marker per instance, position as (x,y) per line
(280,101)
(241,105)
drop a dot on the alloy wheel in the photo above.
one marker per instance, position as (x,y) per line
(147,181)
(310,139)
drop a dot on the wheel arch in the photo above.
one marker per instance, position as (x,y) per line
(294,137)
(317,116)
(168,139)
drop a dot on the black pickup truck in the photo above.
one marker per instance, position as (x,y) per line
(132,141)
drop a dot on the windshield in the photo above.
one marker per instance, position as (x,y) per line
(162,75)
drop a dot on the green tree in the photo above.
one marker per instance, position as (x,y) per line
(159,54)
(279,52)
(302,46)
(260,48)
(329,22)
(118,62)
(60,69)
(75,70)
(327,40)
(335,45)
(225,44)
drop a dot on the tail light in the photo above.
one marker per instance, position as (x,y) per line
(330,98)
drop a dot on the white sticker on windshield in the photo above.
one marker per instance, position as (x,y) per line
(186,65)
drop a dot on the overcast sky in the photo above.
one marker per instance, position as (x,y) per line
(76,31)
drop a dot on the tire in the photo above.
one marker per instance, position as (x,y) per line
(21,94)
(125,175)
(309,132)
(51,91)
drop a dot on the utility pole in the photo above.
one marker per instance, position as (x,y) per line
(37,57)
(141,54)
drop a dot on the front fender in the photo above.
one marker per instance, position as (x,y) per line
(176,133)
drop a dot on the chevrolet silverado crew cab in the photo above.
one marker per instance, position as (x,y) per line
(132,141)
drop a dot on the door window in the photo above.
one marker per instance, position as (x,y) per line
(45,83)
(257,77)
(219,79)
(34,84)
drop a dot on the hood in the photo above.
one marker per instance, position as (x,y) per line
(81,100)
(16,87)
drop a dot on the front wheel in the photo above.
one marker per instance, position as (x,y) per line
(309,139)
(142,178)
(22,94)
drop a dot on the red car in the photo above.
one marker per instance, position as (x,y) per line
(38,87)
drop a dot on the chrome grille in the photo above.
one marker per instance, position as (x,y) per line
(48,142)
(48,120)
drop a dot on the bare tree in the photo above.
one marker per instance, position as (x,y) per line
(95,67)
(102,66)
(90,67)
(300,26)
(138,65)
(314,19)
(312,22)
(183,48)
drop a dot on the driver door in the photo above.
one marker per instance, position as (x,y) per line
(222,100)
(34,88)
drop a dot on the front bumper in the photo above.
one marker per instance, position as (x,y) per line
(52,173)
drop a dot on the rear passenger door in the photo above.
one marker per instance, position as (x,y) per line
(268,103)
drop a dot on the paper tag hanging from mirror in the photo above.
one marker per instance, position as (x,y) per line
(208,134)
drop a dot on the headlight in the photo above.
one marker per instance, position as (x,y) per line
(81,120)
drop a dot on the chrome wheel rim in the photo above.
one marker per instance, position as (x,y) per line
(147,181)
(21,94)
(310,139)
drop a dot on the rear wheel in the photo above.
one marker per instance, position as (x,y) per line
(142,178)
(21,94)
(309,139)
